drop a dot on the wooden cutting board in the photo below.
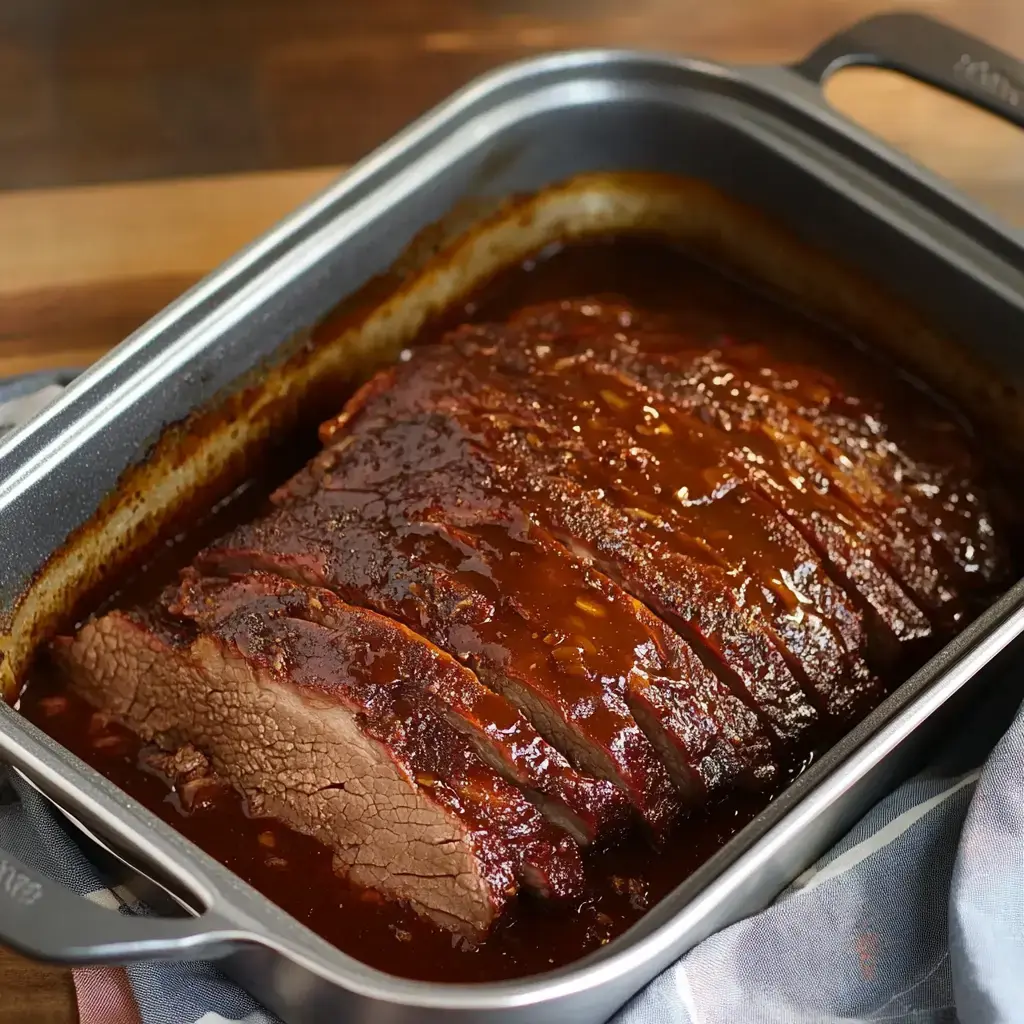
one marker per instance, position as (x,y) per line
(82,267)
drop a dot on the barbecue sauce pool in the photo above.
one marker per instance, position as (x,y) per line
(625,881)
(294,871)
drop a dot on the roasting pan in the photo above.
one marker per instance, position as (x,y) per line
(588,142)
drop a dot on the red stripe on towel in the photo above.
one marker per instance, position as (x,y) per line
(105,996)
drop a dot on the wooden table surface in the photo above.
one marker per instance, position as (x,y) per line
(142,142)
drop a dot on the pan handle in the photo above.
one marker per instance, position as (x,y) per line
(930,51)
(44,920)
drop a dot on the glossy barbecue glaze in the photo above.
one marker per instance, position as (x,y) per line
(678,533)
(395,682)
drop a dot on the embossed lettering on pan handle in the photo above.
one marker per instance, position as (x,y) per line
(43,919)
(930,51)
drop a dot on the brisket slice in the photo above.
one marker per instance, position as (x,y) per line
(664,469)
(476,457)
(923,516)
(582,806)
(335,731)
(357,545)
(853,547)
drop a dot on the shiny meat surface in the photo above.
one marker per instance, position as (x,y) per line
(559,576)
(334,729)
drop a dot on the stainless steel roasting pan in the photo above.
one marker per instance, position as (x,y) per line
(596,142)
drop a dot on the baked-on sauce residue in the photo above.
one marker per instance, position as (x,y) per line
(624,881)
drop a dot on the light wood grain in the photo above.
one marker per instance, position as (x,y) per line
(72,237)
(982,153)
(99,261)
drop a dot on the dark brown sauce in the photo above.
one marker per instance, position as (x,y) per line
(295,871)
(624,882)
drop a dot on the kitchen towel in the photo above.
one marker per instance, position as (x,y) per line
(917,915)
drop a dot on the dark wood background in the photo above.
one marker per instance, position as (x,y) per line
(142,141)
(112,90)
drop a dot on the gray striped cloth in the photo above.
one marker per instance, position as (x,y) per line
(917,915)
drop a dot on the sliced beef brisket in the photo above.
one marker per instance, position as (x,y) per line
(923,515)
(346,541)
(545,578)
(579,421)
(335,730)
(584,807)
(572,631)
